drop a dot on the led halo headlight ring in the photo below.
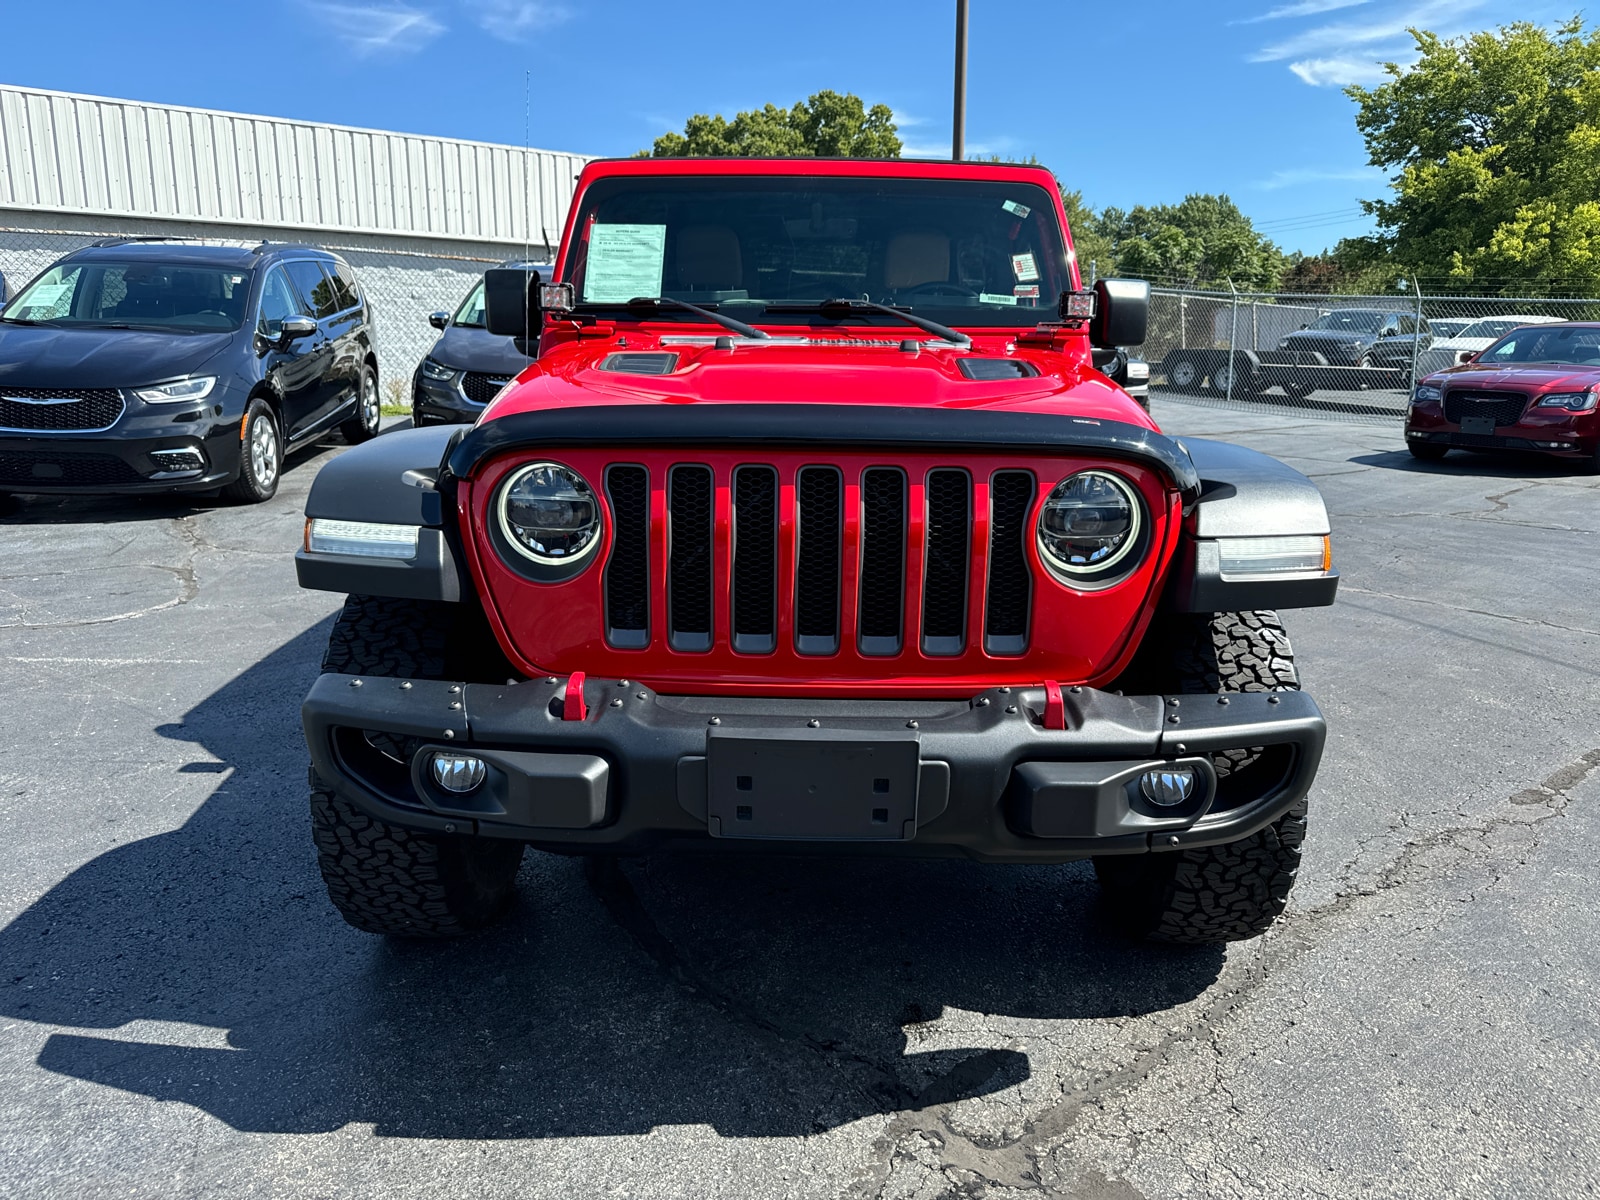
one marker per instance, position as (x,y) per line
(1101,495)
(564,539)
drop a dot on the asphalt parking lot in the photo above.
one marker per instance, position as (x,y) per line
(183,1015)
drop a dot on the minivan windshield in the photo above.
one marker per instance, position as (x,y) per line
(1577,345)
(771,250)
(1354,320)
(471,314)
(134,295)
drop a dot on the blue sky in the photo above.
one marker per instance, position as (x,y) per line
(1131,101)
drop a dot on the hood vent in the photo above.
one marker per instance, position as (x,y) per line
(643,362)
(997,368)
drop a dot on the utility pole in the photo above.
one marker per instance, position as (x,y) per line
(959,139)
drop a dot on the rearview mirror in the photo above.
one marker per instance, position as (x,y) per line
(439,319)
(1122,312)
(1469,356)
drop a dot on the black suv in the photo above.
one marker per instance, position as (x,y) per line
(468,365)
(1360,337)
(145,365)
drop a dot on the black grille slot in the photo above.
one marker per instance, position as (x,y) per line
(20,468)
(628,572)
(1010,582)
(59,410)
(481,388)
(883,559)
(946,563)
(755,560)
(1505,407)
(689,497)
(819,537)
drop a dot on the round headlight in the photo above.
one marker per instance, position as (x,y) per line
(1088,527)
(549,514)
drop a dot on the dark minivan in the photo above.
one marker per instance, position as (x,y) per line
(468,365)
(153,365)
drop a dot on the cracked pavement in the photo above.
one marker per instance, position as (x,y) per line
(182,1014)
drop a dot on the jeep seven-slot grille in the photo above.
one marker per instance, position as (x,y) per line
(735,571)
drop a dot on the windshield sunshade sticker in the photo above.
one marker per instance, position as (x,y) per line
(1023,267)
(1015,209)
(625,261)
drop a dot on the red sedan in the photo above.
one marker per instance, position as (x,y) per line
(1534,389)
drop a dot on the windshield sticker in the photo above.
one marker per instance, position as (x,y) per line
(48,295)
(1022,266)
(1015,209)
(624,262)
(995,298)
(1026,291)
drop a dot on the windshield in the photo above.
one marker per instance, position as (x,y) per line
(1578,345)
(470,314)
(955,251)
(152,295)
(1493,327)
(1350,321)
(1449,327)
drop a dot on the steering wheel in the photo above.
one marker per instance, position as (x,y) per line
(938,287)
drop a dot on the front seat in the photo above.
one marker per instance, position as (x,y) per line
(709,260)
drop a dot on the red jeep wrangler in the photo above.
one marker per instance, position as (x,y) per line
(813,527)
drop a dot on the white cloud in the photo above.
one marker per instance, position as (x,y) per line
(517,20)
(1345,37)
(380,28)
(1339,71)
(1305,8)
(904,120)
(1295,176)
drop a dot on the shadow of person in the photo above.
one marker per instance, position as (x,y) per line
(773,997)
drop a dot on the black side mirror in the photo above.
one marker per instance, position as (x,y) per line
(439,320)
(1122,312)
(294,329)
(511,301)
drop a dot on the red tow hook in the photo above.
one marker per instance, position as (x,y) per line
(1055,708)
(574,709)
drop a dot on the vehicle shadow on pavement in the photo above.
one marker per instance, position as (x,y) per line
(772,997)
(1492,464)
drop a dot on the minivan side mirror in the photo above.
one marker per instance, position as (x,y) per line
(293,329)
(1121,312)
(439,320)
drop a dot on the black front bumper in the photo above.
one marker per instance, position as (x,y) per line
(981,777)
(193,456)
(442,401)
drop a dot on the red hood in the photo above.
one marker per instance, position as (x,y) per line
(858,366)
(1529,377)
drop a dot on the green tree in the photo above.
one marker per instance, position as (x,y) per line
(1496,140)
(1089,241)
(1203,242)
(825,125)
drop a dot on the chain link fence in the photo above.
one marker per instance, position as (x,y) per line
(1350,357)
(403,284)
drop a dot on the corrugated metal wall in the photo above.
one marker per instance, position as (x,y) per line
(86,154)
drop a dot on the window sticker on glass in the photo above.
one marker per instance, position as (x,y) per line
(1015,209)
(624,262)
(47,296)
(995,298)
(1023,267)
(1026,291)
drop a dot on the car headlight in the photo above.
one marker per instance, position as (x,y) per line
(438,372)
(1089,527)
(1573,401)
(1427,394)
(549,514)
(196,388)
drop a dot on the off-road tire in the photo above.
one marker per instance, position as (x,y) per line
(385,878)
(1225,893)
(368,418)
(258,482)
(1427,451)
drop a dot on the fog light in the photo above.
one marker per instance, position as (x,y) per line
(458,773)
(1168,787)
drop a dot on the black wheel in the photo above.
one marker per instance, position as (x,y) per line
(260,456)
(1237,373)
(1298,391)
(1184,375)
(385,878)
(1427,451)
(369,409)
(1210,893)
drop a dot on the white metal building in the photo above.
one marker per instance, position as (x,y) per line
(418,217)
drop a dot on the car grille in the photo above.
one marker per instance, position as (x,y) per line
(481,388)
(60,410)
(1505,407)
(724,539)
(23,467)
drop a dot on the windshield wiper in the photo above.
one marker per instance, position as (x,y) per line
(24,321)
(844,305)
(739,327)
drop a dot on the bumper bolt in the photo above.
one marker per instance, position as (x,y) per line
(1222,699)
(1272,700)
(1173,840)
(616,703)
(455,704)
(1172,702)
(643,696)
(622,683)
(1182,749)
(1075,689)
(1011,708)
(911,724)
(355,683)
(813,724)
(550,679)
(983,702)
(1174,719)
(449,828)
(453,688)
(449,733)
(714,721)
(1005,691)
